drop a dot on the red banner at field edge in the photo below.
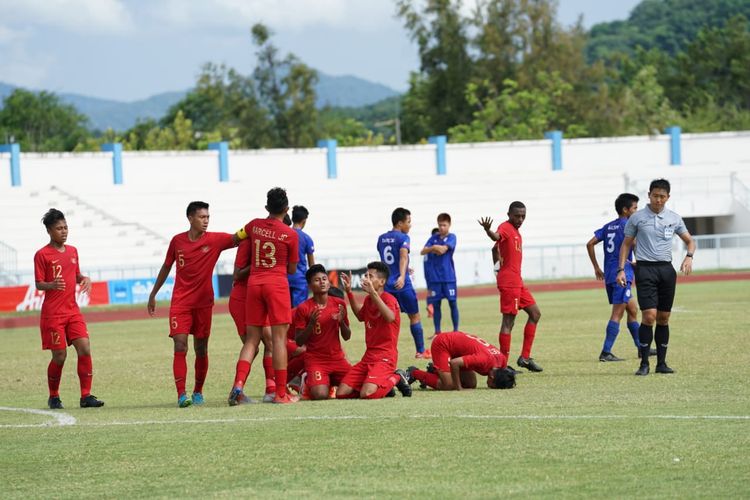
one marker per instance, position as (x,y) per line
(28,298)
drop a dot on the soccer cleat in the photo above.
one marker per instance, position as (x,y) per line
(608,356)
(90,401)
(197,398)
(642,371)
(332,392)
(295,384)
(235,396)
(410,375)
(54,403)
(285,399)
(663,368)
(269,397)
(529,364)
(183,401)
(423,355)
(403,383)
(430,368)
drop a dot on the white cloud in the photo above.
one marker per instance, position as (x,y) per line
(278,14)
(78,16)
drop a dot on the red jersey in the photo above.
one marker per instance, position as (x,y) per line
(273,245)
(381,338)
(324,344)
(49,263)
(479,355)
(241,260)
(193,287)
(510,248)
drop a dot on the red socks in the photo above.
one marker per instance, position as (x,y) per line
(201,369)
(379,393)
(179,368)
(54,373)
(85,374)
(268,369)
(243,371)
(504,340)
(529,332)
(429,379)
(280,376)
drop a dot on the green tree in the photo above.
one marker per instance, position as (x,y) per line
(286,88)
(40,122)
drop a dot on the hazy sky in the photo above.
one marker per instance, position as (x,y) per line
(131,49)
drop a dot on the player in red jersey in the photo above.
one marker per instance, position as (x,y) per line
(195,252)
(457,357)
(375,375)
(237,299)
(514,296)
(273,255)
(56,272)
(318,321)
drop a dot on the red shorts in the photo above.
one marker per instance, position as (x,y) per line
(326,372)
(365,372)
(514,299)
(58,332)
(237,310)
(191,321)
(268,303)
(440,355)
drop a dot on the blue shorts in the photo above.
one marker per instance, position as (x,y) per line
(298,292)
(619,294)
(407,300)
(439,291)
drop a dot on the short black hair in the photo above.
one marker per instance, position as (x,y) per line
(659,184)
(444,218)
(315,269)
(399,215)
(380,268)
(625,200)
(514,205)
(336,292)
(435,231)
(504,379)
(52,216)
(276,200)
(194,206)
(299,213)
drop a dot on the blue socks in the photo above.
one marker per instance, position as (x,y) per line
(418,335)
(613,328)
(437,316)
(454,313)
(633,327)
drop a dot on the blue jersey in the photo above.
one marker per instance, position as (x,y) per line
(440,268)
(612,235)
(306,247)
(389,248)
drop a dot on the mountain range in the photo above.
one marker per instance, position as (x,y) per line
(335,91)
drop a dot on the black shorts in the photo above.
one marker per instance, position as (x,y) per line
(655,283)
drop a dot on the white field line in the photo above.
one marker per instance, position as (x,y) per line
(64,419)
(58,418)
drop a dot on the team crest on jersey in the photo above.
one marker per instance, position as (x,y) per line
(73,260)
(205,248)
(627,293)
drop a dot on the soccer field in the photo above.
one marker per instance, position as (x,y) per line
(579,429)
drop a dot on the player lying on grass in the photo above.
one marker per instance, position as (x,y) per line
(375,375)
(318,322)
(457,357)
(195,252)
(56,272)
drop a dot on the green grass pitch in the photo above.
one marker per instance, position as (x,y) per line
(579,429)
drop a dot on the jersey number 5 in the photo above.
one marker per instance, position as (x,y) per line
(269,254)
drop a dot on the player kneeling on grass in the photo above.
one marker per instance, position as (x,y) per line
(56,272)
(318,321)
(375,375)
(456,357)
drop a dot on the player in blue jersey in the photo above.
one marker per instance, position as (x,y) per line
(394,247)
(297,282)
(440,272)
(621,298)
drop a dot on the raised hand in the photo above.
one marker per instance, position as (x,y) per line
(486,223)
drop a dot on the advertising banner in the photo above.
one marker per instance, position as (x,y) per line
(28,298)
